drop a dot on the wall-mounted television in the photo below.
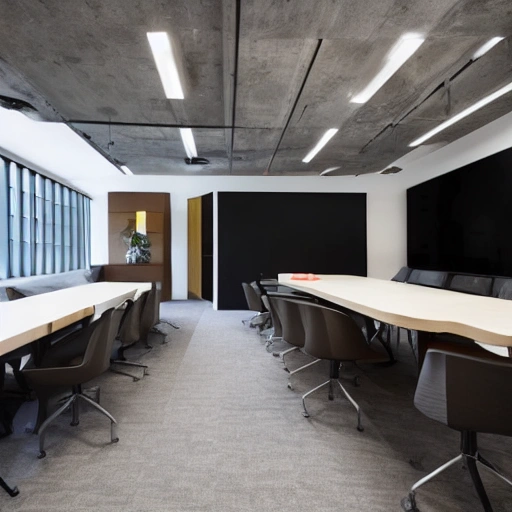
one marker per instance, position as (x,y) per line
(462,221)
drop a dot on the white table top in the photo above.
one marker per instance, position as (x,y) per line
(25,320)
(483,319)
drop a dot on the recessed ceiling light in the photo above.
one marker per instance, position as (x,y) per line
(399,54)
(188,142)
(486,47)
(166,65)
(125,169)
(321,143)
(463,114)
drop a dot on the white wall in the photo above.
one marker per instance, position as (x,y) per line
(386,212)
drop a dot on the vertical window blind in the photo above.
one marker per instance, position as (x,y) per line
(44,226)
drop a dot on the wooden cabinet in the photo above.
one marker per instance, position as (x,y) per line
(121,221)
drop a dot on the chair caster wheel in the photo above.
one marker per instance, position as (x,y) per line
(41,454)
(13,492)
(305,414)
(286,370)
(275,354)
(356,381)
(290,386)
(115,440)
(409,503)
(136,379)
(360,429)
(74,423)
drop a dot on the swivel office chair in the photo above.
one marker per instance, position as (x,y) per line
(254,303)
(46,378)
(287,311)
(277,330)
(468,394)
(129,334)
(333,335)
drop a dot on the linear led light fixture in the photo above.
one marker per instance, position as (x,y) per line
(166,65)
(399,54)
(188,142)
(125,169)
(486,47)
(463,114)
(327,136)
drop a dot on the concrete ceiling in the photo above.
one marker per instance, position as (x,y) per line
(263,79)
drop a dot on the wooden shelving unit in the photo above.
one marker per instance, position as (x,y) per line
(121,220)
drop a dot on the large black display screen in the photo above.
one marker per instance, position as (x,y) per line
(462,221)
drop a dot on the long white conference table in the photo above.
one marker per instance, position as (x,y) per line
(26,320)
(32,318)
(486,320)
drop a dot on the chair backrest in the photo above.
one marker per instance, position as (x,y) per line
(432,278)
(99,349)
(402,275)
(466,392)
(150,315)
(253,300)
(130,328)
(276,321)
(331,334)
(477,285)
(502,288)
(289,314)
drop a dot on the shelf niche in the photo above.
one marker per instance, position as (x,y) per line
(121,222)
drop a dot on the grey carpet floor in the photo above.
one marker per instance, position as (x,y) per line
(213,427)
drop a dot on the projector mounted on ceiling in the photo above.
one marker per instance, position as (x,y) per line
(197,160)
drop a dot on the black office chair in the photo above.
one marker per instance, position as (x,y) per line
(287,310)
(254,303)
(277,329)
(469,394)
(476,285)
(49,376)
(130,333)
(432,278)
(335,336)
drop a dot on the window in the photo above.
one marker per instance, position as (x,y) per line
(44,226)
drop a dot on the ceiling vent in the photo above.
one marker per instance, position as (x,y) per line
(391,170)
(197,160)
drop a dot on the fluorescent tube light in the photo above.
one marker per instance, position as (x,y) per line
(486,47)
(188,142)
(166,65)
(126,170)
(399,54)
(321,143)
(463,114)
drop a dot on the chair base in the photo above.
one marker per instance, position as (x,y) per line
(334,377)
(470,456)
(73,401)
(11,491)
(129,363)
